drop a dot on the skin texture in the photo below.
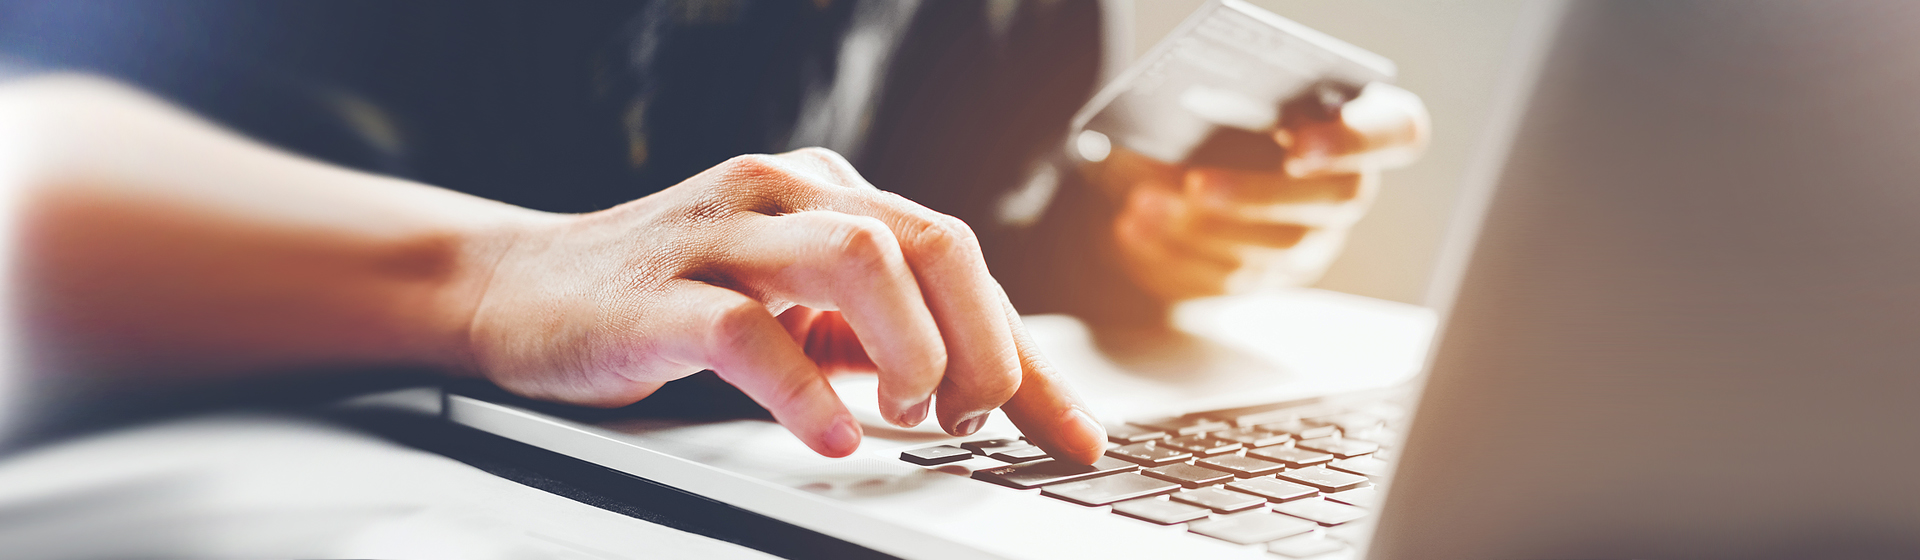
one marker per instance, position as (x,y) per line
(1191,232)
(152,244)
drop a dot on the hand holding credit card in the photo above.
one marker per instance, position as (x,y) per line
(1241,149)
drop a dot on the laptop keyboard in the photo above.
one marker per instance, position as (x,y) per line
(1295,478)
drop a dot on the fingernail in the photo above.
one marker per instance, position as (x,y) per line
(1080,427)
(915,414)
(843,438)
(969,426)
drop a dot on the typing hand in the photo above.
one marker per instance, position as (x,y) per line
(1192,232)
(772,271)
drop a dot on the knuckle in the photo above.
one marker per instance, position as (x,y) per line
(823,155)
(941,234)
(864,242)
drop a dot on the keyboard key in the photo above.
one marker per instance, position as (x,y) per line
(1243,467)
(1149,453)
(1184,426)
(1051,471)
(1363,497)
(1127,433)
(1020,455)
(1188,475)
(1219,500)
(991,446)
(1252,527)
(1301,429)
(1254,437)
(1160,511)
(1363,466)
(1108,489)
(1292,456)
(1304,546)
(1321,511)
(1340,447)
(1274,490)
(1324,479)
(1202,444)
(936,455)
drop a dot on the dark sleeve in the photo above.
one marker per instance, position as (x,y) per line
(974,124)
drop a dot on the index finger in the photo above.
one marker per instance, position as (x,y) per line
(1046,409)
(1384,126)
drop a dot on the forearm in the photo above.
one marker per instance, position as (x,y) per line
(150,242)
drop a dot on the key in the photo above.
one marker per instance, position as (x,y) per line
(1184,426)
(1274,490)
(1324,479)
(1363,466)
(1051,471)
(1252,527)
(1020,455)
(1243,467)
(1253,437)
(1304,546)
(1367,497)
(1149,453)
(1202,444)
(1188,475)
(1301,429)
(1294,457)
(1127,433)
(1219,500)
(1108,489)
(1321,511)
(991,446)
(1339,447)
(1160,511)
(936,455)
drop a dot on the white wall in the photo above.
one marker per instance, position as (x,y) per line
(1449,52)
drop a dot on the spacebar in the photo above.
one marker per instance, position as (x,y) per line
(1051,471)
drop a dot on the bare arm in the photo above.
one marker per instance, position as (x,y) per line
(150,243)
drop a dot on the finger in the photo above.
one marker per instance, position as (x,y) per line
(1162,224)
(851,264)
(1228,187)
(735,336)
(1384,126)
(1231,231)
(1046,408)
(983,367)
(1168,268)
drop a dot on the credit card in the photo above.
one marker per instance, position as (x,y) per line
(1215,88)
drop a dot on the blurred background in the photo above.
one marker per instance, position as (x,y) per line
(1451,53)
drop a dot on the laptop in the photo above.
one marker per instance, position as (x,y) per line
(1679,320)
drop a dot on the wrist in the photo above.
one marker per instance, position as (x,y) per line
(479,243)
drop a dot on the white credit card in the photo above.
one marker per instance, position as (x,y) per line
(1220,81)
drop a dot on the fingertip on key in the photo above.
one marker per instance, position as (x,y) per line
(1082,436)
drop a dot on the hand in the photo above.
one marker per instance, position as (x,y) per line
(772,271)
(1190,232)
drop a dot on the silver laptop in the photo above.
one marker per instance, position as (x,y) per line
(1687,325)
